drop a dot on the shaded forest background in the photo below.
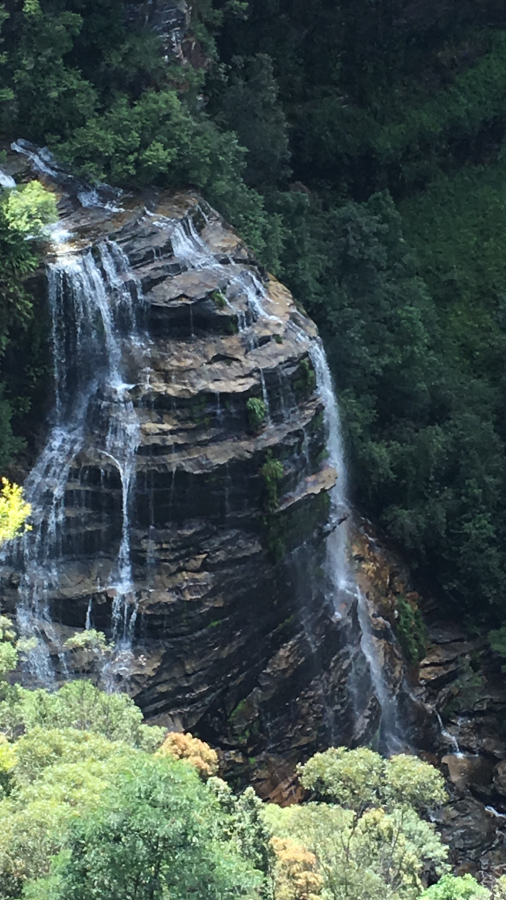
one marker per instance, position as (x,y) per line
(359,147)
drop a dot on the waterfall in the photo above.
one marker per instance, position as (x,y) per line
(94,302)
(339,573)
(189,248)
(96,305)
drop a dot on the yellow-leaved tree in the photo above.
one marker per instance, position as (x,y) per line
(14,511)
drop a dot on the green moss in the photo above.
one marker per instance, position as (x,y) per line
(287,530)
(231,326)
(241,706)
(305,381)
(322,456)
(219,299)
(316,423)
(278,338)
(411,631)
(257,413)
(271,474)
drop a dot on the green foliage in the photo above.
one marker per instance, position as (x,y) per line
(88,639)
(257,412)
(369,840)
(411,631)
(23,211)
(450,887)
(379,856)
(242,822)
(14,511)
(497,640)
(150,838)
(219,298)
(271,474)
(305,381)
(8,652)
(250,107)
(81,706)
(357,779)
(28,209)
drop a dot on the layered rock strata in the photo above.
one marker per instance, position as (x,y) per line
(235,634)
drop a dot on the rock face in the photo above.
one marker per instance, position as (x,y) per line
(231,632)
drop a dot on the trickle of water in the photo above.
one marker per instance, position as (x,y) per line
(338,569)
(265,396)
(390,739)
(450,738)
(43,161)
(6,181)
(88,614)
(189,248)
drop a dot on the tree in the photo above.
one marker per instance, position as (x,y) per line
(370,841)
(360,778)
(14,510)
(82,706)
(250,107)
(151,838)
(295,874)
(57,775)
(451,888)
(23,211)
(196,752)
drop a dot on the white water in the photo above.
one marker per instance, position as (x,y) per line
(43,161)
(189,248)
(6,181)
(450,738)
(86,299)
(339,573)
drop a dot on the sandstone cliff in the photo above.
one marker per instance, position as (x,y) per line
(231,631)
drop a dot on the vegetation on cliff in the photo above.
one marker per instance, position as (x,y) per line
(24,212)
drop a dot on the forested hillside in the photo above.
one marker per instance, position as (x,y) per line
(358,147)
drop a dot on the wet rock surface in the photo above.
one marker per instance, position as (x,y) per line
(452,705)
(234,637)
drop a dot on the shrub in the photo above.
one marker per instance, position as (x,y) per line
(257,412)
(198,753)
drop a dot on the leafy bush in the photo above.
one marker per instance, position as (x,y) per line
(199,754)
(271,474)
(257,412)
(14,510)
(449,887)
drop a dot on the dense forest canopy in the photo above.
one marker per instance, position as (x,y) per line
(359,148)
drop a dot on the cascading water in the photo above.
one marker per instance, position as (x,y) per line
(189,248)
(93,303)
(338,568)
